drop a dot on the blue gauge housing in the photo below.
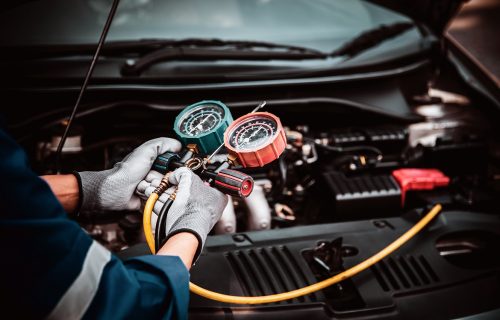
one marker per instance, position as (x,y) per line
(204,124)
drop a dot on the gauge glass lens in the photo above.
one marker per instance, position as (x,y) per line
(201,119)
(253,133)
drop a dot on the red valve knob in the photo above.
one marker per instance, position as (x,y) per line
(233,183)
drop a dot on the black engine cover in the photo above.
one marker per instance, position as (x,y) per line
(418,281)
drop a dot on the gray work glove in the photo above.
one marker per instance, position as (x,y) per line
(196,209)
(113,189)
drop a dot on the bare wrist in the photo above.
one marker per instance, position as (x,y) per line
(182,244)
(65,188)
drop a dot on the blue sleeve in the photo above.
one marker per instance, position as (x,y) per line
(140,284)
(44,254)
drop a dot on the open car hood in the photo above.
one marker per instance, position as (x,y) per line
(435,14)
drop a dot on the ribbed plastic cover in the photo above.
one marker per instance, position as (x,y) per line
(354,197)
(268,270)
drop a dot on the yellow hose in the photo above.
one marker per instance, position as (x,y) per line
(305,290)
(146,220)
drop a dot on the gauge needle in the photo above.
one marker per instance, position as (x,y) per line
(247,140)
(255,132)
(207,160)
(200,125)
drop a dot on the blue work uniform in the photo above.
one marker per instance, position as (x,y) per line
(50,268)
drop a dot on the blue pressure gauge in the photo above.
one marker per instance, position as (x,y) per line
(203,123)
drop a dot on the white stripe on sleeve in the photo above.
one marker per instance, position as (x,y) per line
(79,295)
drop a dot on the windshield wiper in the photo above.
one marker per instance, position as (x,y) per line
(203,42)
(371,38)
(216,49)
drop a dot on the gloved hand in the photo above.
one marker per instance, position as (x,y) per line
(113,189)
(196,208)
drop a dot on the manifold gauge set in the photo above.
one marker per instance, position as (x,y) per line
(203,128)
(253,140)
(206,127)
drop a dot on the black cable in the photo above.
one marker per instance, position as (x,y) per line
(352,149)
(104,33)
(100,108)
(157,230)
(375,150)
(92,110)
(161,224)
(245,104)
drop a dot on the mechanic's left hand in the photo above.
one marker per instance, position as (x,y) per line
(113,189)
(197,206)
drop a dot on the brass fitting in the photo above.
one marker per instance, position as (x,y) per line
(232,159)
(163,184)
(193,147)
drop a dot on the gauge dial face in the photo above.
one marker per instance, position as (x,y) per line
(201,120)
(253,133)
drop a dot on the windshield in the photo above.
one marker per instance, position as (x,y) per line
(318,24)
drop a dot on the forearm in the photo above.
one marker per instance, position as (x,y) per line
(184,245)
(65,188)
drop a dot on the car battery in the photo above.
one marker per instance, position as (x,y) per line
(361,197)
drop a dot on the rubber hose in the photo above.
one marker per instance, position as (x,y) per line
(305,290)
(161,222)
(146,221)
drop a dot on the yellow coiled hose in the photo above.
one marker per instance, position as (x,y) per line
(148,211)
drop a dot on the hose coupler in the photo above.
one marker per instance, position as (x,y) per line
(163,184)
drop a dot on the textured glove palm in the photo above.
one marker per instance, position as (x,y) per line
(113,189)
(197,206)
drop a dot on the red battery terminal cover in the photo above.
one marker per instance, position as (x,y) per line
(419,179)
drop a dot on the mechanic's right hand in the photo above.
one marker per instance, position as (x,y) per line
(113,189)
(197,206)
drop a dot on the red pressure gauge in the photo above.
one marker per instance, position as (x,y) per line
(255,139)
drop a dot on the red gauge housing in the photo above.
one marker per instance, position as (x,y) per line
(262,154)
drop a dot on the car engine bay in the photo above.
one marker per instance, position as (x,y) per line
(331,170)
(367,155)
(342,173)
